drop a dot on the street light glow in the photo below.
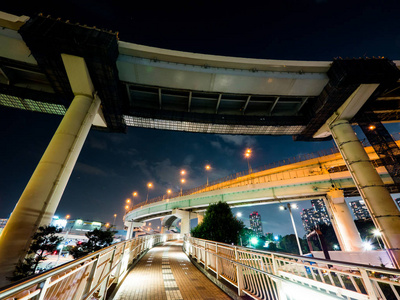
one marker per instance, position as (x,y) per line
(128,200)
(208,167)
(169,191)
(239,214)
(294,205)
(281,207)
(254,240)
(183,172)
(183,180)
(134,194)
(67,217)
(150,185)
(376,232)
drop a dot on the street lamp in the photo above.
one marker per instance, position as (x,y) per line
(239,215)
(208,168)
(169,191)
(289,208)
(182,182)
(115,216)
(247,154)
(128,202)
(377,234)
(149,185)
(183,172)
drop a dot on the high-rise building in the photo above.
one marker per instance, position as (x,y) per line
(255,223)
(307,216)
(315,215)
(360,210)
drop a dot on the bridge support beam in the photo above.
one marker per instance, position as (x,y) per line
(342,221)
(380,204)
(185,219)
(43,192)
(131,226)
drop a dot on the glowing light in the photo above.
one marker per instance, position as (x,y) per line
(183,172)
(169,191)
(294,205)
(96,223)
(335,247)
(127,207)
(254,240)
(115,215)
(208,167)
(376,232)
(128,200)
(79,222)
(183,180)
(107,224)
(67,217)
(276,238)
(149,185)
(371,127)
(281,207)
(134,194)
(367,246)
(149,224)
(239,214)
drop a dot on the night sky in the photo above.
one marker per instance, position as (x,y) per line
(112,166)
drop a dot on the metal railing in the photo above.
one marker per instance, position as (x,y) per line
(89,277)
(272,275)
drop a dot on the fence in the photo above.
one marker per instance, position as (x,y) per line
(271,275)
(89,277)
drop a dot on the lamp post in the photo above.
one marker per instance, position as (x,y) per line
(182,182)
(115,216)
(128,202)
(169,191)
(377,234)
(247,154)
(208,168)
(65,242)
(149,185)
(239,215)
(134,194)
(289,208)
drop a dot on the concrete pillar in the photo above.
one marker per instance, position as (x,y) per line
(380,204)
(131,226)
(185,219)
(200,218)
(342,222)
(42,194)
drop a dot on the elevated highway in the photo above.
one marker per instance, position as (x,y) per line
(304,180)
(97,81)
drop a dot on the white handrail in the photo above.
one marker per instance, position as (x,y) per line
(90,275)
(272,275)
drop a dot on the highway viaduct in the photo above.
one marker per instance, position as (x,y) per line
(96,81)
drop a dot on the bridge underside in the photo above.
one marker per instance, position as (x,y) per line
(216,96)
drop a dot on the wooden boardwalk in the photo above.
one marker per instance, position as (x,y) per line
(165,272)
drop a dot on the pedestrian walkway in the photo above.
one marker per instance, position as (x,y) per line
(165,272)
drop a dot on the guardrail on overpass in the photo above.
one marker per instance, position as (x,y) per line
(272,275)
(89,277)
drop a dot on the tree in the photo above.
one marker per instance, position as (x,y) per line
(97,239)
(219,225)
(289,244)
(44,241)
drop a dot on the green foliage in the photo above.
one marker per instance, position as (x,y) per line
(289,244)
(44,241)
(219,225)
(97,239)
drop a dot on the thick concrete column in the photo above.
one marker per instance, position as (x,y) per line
(185,219)
(380,204)
(42,194)
(342,222)
(200,218)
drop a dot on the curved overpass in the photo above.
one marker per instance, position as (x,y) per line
(306,180)
(164,89)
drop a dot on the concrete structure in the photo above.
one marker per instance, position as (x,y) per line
(111,84)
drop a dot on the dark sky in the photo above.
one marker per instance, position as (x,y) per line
(111,166)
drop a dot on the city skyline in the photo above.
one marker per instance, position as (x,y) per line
(112,166)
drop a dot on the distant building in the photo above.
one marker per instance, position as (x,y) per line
(255,223)
(307,216)
(397,202)
(3,223)
(314,216)
(360,210)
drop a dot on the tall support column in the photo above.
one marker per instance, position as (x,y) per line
(380,204)
(342,221)
(200,218)
(185,219)
(42,194)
